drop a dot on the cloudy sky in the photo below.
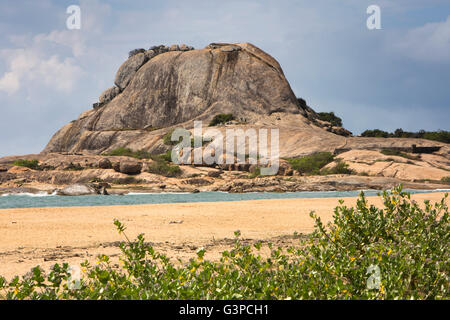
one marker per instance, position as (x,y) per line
(395,77)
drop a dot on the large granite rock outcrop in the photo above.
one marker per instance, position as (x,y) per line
(168,86)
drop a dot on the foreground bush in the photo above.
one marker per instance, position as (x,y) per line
(397,252)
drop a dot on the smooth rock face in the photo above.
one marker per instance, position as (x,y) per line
(179,86)
(128,69)
(77,190)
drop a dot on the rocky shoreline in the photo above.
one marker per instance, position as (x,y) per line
(234,184)
(66,174)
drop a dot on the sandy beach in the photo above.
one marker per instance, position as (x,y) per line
(44,236)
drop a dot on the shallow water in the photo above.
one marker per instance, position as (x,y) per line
(44,200)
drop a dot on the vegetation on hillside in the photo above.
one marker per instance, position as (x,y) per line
(163,168)
(139,154)
(330,117)
(32,164)
(167,138)
(221,118)
(339,168)
(393,152)
(311,164)
(440,135)
(399,251)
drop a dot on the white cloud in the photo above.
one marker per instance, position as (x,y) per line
(70,39)
(430,42)
(9,83)
(34,66)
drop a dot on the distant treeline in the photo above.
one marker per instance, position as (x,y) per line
(440,135)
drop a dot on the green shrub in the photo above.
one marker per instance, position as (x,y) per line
(376,133)
(204,141)
(164,169)
(340,168)
(393,152)
(311,164)
(74,167)
(330,117)
(121,151)
(402,245)
(221,118)
(256,173)
(167,156)
(127,180)
(167,138)
(442,136)
(126,152)
(32,164)
(446,179)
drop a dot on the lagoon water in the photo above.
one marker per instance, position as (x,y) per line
(44,200)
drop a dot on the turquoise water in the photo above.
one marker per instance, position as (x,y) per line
(38,201)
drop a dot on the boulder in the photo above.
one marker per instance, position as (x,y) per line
(135,52)
(109,94)
(104,185)
(150,54)
(77,190)
(104,164)
(243,167)
(7,176)
(104,192)
(160,49)
(184,47)
(215,173)
(128,69)
(174,47)
(130,167)
(116,166)
(97,105)
(341,131)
